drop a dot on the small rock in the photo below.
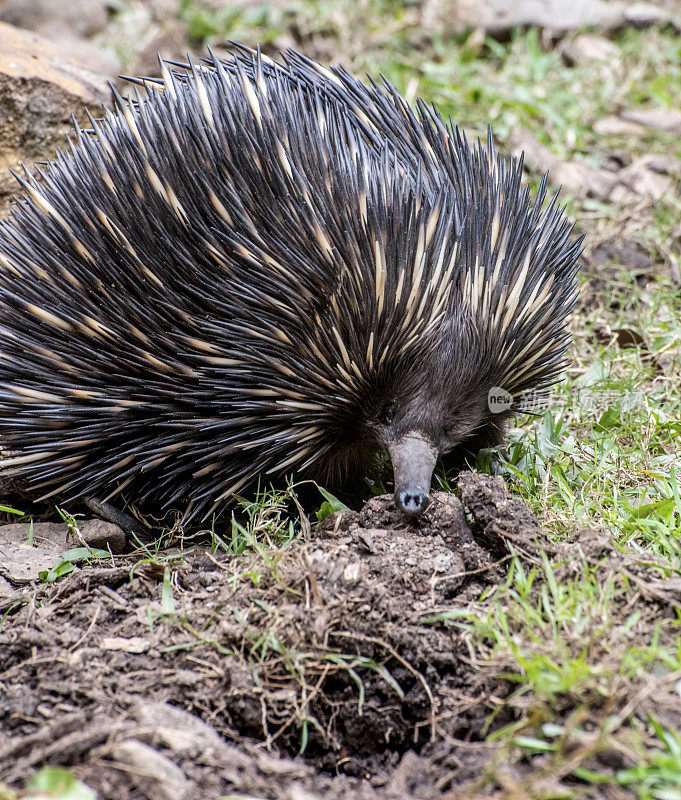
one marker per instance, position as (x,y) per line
(271,765)
(101,535)
(576,177)
(589,47)
(180,731)
(27,549)
(406,774)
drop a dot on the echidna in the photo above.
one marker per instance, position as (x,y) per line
(259,268)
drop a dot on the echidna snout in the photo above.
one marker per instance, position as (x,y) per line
(413,458)
(441,413)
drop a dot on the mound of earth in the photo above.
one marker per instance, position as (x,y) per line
(329,668)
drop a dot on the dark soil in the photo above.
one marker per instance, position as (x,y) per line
(333,648)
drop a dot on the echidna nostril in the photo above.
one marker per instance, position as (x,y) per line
(412,503)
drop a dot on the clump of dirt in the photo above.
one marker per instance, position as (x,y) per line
(200,674)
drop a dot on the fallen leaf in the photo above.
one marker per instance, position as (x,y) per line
(616,126)
(659,119)
(641,180)
(589,47)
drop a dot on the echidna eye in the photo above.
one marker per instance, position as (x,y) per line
(387,414)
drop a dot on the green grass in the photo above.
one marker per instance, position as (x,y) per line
(658,777)
(607,451)
(52,782)
(573,654)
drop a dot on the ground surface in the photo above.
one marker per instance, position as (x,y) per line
(498,658)
(158,678)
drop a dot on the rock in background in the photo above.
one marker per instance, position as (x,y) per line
(69,24)
(40,91)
